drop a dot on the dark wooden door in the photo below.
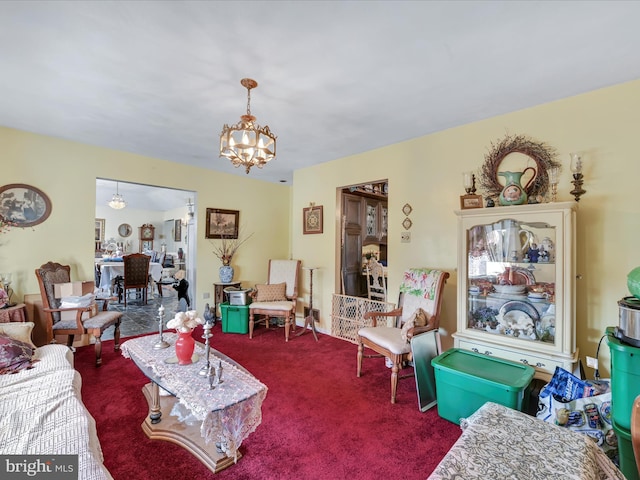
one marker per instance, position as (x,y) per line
(352,211)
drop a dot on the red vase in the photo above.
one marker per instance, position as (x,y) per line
(185,344)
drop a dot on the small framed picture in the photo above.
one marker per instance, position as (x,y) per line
(470,201)
(177,231)
(312,220)
(222,223)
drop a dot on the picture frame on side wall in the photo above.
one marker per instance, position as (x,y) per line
(23,205)
(312,220)
(100,223)
(177,231)
(222,223)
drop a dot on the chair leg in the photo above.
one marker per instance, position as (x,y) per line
(70,340)
(98,348)
(287,324)
(394,377)
(116,336)
(251,324)
(359,361)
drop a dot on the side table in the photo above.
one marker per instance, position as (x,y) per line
(219,296)
(17,313)
(309,320)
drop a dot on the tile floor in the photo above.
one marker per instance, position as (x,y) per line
(139,319)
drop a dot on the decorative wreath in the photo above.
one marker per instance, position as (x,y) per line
(543,154)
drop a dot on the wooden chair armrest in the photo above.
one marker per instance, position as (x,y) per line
(375,315)
(69,309)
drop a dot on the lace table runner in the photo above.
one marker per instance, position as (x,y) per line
(229,412)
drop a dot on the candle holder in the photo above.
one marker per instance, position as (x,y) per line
(216,378)
(469,182)
(206,370)
(553,181)
(576,168)
(5,279)
(161,343)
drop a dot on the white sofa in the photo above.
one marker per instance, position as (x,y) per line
(41,413)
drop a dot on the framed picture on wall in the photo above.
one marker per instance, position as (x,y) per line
(24,205)
(100,230)
(222,223)
(177,231)
(312,220)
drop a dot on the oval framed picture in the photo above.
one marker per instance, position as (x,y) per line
(24,205)
(124,230)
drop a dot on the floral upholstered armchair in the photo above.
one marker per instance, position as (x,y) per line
(419,312)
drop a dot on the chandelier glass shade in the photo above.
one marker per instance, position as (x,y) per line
(117,201)
(246,143)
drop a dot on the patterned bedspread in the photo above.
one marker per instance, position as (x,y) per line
(499,443)
(41,413)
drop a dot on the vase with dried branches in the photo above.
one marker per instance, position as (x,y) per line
(225,250)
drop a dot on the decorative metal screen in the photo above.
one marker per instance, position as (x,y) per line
(347,315)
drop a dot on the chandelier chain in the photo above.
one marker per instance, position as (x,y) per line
(249,101)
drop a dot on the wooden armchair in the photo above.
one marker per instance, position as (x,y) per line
(419,312)
(48,275)
(275,299)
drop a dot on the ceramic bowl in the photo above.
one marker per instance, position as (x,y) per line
(511,289)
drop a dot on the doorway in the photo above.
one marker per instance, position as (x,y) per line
(166,208)
(363,231)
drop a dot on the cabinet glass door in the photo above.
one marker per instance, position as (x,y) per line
(511,270)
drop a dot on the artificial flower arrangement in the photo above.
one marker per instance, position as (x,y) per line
(228,247)
(185,322)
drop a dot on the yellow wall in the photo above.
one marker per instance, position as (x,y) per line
(424,172)
(67,171)
(427,173)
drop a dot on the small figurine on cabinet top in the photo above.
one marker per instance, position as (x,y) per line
(182,286)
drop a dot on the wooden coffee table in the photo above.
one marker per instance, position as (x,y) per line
(183,409)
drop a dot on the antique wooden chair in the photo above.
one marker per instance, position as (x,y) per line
(418,312)
(276,298)
(136,275)
(48,275)
(376,281)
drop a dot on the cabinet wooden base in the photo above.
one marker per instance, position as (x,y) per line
(168,428)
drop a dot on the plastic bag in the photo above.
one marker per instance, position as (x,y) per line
(579,405)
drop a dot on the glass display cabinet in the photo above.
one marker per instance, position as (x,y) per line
(516,275)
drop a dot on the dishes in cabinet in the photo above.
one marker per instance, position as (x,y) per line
(509,289)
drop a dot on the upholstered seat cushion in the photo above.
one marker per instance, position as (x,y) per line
(387,337)
(281,305)
(101,320)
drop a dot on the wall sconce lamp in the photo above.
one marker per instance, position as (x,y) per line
(578,177)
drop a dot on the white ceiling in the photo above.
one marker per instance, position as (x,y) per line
(143,197)
(160,78)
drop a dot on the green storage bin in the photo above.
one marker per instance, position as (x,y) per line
(466,380)
(625,379)
(235,318)
(626,458)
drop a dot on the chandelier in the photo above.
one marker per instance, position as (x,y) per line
(117,202)
(246,143)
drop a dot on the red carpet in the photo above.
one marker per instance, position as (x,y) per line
(319,420)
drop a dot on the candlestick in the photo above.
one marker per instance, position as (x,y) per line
(576,168)
(161,342)
(206,370)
